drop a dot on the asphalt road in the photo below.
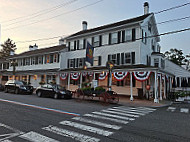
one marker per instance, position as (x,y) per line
(29,118)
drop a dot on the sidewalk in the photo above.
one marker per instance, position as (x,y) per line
(125,100)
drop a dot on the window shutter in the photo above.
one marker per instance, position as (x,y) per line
(133,57)
(142,36)
(75,45)
(93,41)
(84,44)
(99,61)
(100,40)
(74,64)
(122,59)
(69,46)
(133,34)
(123,36)
(119,37)
(109,57)
(147,60)
(109,38)
(118,59)
(77,62)
(68,61)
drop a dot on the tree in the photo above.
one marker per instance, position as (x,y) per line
(7,48)
(187,62)
(175,55)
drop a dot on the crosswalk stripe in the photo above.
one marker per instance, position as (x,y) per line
(185,110)
(115,127)
(35,137)
(172,109)
(7,141)
(146,108)
(115,116)
(106,118)
(70,134)
(137,108)
(125,114)
(134,109)
(87,128)
(127,111)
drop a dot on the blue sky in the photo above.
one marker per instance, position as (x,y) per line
(105,12)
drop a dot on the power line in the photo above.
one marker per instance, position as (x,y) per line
(41,12)
(172,8)
(56,15)
(42,39)
(29,17)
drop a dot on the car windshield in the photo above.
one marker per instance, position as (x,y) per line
(21,82)
(59,87)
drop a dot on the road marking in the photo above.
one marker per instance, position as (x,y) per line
(115,116)
(172,109)
(87,128)
(106,118)
(128,111)
(35,137)
(39,107)
(74,135)
(125,114)
(106,125)
(134,110)
(185,110)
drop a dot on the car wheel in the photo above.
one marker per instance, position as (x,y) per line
(56,96)
(39,94)
(16,91)
(6,90)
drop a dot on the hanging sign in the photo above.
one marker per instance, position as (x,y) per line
(142,76)
(119,76)
(75,76)
(103,75)
(63,76)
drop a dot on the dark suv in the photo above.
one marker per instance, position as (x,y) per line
(18,87)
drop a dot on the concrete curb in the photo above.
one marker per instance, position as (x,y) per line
(162,105)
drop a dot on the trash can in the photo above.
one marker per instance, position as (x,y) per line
(140,93)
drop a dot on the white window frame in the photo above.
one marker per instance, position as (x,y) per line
(114,38)
(96,61)
(128,35)
(80,44)
(71,63)
(105,39)
(96,41)
(127,58)
(72,43)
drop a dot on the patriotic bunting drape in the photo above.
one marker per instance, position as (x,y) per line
(102,76)
(75,76)
(142,76)
(63,76)
(119,76)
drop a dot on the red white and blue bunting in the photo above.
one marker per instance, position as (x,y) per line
(75,76)
(119,76)
(102,76)
(63,76)
(142,76)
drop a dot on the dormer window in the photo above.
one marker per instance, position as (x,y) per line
(149,26)
(156,62)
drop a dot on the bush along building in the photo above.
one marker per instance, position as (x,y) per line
(131,45)
(139,67)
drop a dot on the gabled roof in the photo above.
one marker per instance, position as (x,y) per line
(40,51)
(136,19)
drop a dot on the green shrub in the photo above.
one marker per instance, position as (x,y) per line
(100,89)
(86,88)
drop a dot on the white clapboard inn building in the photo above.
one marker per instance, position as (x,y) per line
(134,49)
(33,66)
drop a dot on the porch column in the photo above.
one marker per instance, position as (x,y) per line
(160,87)
(170,84)
(155,88)
(180,82)
(165,88)
(69,77)
(131,86)
(94,75)
(81,80)
(110,80)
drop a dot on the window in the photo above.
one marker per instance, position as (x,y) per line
(47,59)
(114,58)
(71,63)
(128,58)
(40,60)
(149,26)
(156,62)
(72,45)
(144,37)
(128,35)
(96,42)
(96,61)
(51,58)
(80,44)
(55,58)
(33,60)
(114,38)
(153,47)
(27,61)
(162,63)
(105,39)
(80,62)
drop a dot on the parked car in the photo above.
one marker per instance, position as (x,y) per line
(18,87)
(55,91)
